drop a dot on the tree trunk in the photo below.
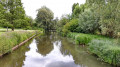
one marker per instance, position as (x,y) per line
(7,29)
(12,28)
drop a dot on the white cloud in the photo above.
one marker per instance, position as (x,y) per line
(59,7)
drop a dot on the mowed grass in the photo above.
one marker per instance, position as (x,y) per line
(3,30)
(1,33)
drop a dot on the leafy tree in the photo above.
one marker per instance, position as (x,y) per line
(2,15)
(14,13)
(74,5)
(72,25)
(60,24)
(110,20)
(17,12)
(88,22)
(78,10)
(44,17)
(53,24)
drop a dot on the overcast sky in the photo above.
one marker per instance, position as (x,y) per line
(59,7)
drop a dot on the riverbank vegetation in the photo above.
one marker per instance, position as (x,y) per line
(96,24)
(15,25)
(8,40)
(107,49)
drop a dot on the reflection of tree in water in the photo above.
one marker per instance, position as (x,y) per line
(44,44)
(16,58)
(63,50)
(80,55)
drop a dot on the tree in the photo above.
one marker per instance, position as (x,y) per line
(76,10)
(44,17)
(60,24)
(2,13)
(16,12)
(88,22)
(74,5)
(110,20)
(72,25)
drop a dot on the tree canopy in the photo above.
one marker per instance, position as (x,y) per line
(44,17)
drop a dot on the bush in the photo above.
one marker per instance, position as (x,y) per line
(72,25)
(28,28)
(82,39)
(106,50)
(65,32)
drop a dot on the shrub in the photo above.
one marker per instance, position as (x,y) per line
(72,25)
(82,39)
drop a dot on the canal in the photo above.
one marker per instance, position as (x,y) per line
(51,50)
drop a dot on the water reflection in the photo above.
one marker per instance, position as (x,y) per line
(51,51)
(16,58)
(52,59)
(44,45)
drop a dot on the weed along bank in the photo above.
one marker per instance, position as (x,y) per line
(60,33)
(10,41)
(51,50)
(107,49)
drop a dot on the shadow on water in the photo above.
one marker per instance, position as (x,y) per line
(51,50)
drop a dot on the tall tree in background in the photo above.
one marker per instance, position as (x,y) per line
(78,9)
(2,13)
(44,17)
(16,11)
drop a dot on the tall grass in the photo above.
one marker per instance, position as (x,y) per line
(107,49)
(10,39)
(81,38)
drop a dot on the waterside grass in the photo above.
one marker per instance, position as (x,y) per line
(107,49)
(10,39)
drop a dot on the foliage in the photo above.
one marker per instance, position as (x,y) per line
(110,18)
(106,50)
(15,11)
(44,17)
(12,15)
(11,39)
(81,38)
(76,9)
(72,25)
(88,22)
(61,23)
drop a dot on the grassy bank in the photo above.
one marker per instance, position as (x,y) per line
(10,39)
(107,49)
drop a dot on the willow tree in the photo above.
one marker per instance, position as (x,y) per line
(44,17)
(108,12)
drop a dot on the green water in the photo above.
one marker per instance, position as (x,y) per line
(51,51)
